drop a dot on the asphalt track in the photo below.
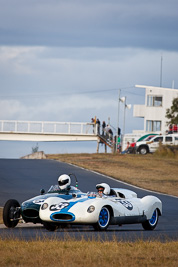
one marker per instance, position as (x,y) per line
(23,179)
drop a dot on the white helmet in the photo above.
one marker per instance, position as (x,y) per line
(106,188)
(64,181)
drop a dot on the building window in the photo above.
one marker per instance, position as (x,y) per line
(154,101)
(153,126)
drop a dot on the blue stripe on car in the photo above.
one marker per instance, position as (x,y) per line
(65,210)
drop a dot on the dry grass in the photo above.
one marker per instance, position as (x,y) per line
(87,253)
(152,172)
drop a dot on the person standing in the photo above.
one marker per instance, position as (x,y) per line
(103,127)
(98,126)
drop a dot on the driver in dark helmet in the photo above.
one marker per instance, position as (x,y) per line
(64,182)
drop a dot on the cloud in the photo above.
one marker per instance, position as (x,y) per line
(43,72)
(10,108)
(65,60)
(56,109)
(150,24)
(14,59)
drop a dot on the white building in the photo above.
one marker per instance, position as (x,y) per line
(157,100)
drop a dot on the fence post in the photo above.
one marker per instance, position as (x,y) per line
(81,128)
(28,127)
(42,126)
(69,128)
(16,126)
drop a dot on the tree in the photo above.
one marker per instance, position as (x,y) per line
(172,112)
(35,149)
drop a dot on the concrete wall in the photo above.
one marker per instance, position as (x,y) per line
(36,155)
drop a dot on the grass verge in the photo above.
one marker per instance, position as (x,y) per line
(152,172)
(87,253)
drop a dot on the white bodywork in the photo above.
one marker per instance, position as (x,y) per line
(124,207)
(153,143)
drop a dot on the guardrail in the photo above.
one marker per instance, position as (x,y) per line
(47,127)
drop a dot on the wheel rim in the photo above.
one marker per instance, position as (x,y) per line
(12,213)
(153,219)
(104,217)
(143,151)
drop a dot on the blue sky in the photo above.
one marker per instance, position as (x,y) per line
(66,60)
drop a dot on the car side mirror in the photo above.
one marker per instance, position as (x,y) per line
(42,191)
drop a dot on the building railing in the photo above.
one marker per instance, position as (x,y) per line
(47,127)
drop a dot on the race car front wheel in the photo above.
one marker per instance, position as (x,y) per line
(103,220)
(11,213)
(151,224)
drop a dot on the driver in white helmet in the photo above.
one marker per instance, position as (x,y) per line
(103,189)
(64,182)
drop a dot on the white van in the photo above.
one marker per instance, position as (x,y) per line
(145,147)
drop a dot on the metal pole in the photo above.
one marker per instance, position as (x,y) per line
(124,124)
(124,117)
(161,71)
(119,92)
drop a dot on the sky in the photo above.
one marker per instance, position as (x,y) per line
(66,60)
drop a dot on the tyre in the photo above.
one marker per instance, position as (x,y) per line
(103,220)
(11,213)
(143,150)
(49,226)
(151,224)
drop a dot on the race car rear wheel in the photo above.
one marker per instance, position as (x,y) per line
(11,213)
(103,220)
(49,226)
(151,224)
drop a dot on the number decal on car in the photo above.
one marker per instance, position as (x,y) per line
(59,206)
(126,204)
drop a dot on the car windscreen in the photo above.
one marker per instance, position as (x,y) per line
(55,189)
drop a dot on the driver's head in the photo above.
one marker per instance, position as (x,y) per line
(64,181)
(103,188)
(100,190)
